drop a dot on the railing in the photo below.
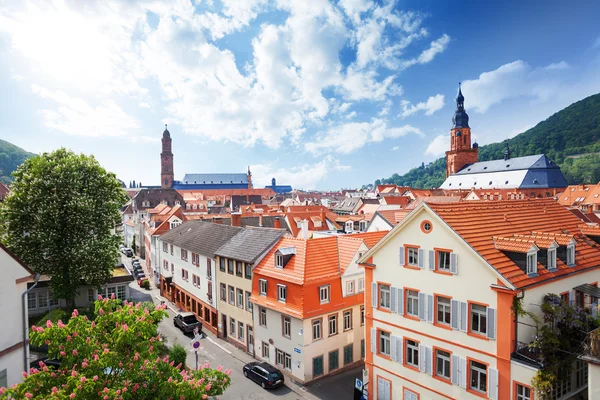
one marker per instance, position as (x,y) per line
(529,352)
(592,344)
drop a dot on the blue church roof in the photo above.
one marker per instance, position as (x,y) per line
(280,188)
(216,179)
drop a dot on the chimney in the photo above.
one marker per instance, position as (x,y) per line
(260,223)
(236,219)
(277,223)
(218,220)
(304,225)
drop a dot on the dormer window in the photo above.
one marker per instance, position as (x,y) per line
(349,226)
(532,262)
(363,225)
(571,254)
(551,259)
(283,256)
(279,261)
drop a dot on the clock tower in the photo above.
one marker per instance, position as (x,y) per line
(461,152)
(166,161)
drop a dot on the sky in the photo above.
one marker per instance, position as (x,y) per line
(318,94)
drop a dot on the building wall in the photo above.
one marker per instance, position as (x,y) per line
(593,381)
(378,224)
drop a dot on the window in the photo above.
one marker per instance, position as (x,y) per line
(195,280)
(443,261)
(195,259)
(241,331)
(551,258)
(222,264)
(478,374)
(262,287)
(348,354)
(361,285)
(281,293)
(362,315)
(165,247)
(286,326)
(442,364)
(362,348)
(571,254)
(443,310)
(363,225)
(350,287)
(334,360)
(384,295)
(407,394)
(248,302)
(347,320)
(240,298)
(91,296)
(231,295)
(208,267)
(31,301)
(223,291)
(324,294)
(333,325)
(278,260)
(523,392)
(265,350)
(171,249)
(318,366)
(412,353)
(175,224)
(384,343)
(238,268)
(413,256)
(172,268)
(3,378)
(412,303)
(185,275)
(531,263)
(230,267)
(316,329)
(248,271)
(262,317)
(209,293)
(283,359)
(232,327)
(478,319)
(42,299)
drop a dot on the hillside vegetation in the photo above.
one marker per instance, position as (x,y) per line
(573,131)
(11,157)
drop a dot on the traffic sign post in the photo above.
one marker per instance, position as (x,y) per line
(196,344)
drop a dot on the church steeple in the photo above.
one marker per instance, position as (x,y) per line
(166,161)
(461,153)
(460,118)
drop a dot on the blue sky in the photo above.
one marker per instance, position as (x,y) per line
(317,94)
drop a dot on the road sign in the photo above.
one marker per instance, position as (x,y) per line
(358,384)
(297,350)
(196,344)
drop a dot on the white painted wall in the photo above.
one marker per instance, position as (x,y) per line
(593,381)
(378,224)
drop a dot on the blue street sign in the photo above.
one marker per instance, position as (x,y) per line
(358,384)
(297,350)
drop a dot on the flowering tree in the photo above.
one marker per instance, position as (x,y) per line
(114,356)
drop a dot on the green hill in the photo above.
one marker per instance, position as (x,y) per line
(11,157)
(571,138)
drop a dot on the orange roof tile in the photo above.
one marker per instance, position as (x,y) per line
(590,229)
(478,222)
(370,238)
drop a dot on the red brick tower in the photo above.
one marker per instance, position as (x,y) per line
(166,161)
(461,152)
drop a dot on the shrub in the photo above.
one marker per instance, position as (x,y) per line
(146,284)
(178,354)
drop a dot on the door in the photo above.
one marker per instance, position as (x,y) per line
(250,336)
(317,366)
(224,324)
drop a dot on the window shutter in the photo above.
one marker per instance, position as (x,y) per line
(571,297)
(373,340)
(422,358)
(491,323)
(400,299)
(422,306)
(492,383)
(431,260)
(393,304)
(380,389)
(464,316)
(462,375)
(401,255)
(429,361)
(430,308)
(454,314)
(399,349)
(453,263)
(421,256)
(374,294)
(454,366)
(393,353)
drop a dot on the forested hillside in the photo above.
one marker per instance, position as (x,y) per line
(11,157)
(571,138)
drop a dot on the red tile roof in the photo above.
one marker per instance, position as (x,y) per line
(394,216)
(370,238)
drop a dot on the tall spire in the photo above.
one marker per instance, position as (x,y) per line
(460,118)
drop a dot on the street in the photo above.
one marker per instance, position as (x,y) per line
(219,352)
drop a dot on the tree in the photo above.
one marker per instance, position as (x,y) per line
(60,219)
(114,356)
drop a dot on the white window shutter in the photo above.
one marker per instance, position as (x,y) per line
(374,294)
(454,367)
(492,383)
(393,353)
(400,299)
(422,358)
(463,373)
(422,300)
(380,388)
(453,263)
(464,316)
(454,307)
(491,323)
(373,340)
(399,349)
(421,256)
(431,260)
(402,256)
(430,308)
(393,303)
(429,361)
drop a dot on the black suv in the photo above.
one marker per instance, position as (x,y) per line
(264,374)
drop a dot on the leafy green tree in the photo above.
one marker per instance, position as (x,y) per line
(178,354)
(60,219)
(113,356)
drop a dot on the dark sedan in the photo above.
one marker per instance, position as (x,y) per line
(264,374)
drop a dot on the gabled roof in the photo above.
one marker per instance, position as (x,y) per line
(200,237)
(17,259)
(249,244)
(369,238)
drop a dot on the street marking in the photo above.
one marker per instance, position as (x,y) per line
(218,345)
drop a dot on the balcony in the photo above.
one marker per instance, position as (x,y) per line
(528,355)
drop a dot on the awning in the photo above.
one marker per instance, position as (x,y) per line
(588,289)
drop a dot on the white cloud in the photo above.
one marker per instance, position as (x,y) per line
(353,8)
(557,66)
(305,176)
(143,104)
(438,146)
(395,148)
(435,47)
(348,137)
(433,104)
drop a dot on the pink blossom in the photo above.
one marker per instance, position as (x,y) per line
(207,365)
(105,390)
(60,324)
(62,353)
(95,378)
(83,379)
(2,390)
(105,397)
(25,374)
(170,379)
(101,311)
(74,352)
(84,364)
(99,297)
(124,390)
(93,324)
(112,296)
(208,386)
(204,396)
(219,368)
(120,364)
(54,390)
(72,396)
(73,373)
(88,340)
(28,395)
(69,338)
(125,327)
(105,351)
(49,324)
(75,313)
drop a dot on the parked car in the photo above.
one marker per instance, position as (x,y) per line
(187,322)
(139,275)
(137,267)
(264,374)
(128,252)
(135,261)
(121,247)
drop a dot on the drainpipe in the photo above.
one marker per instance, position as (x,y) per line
(25,323)
(517,322)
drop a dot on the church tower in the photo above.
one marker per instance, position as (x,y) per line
(166,161)
(461,152)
